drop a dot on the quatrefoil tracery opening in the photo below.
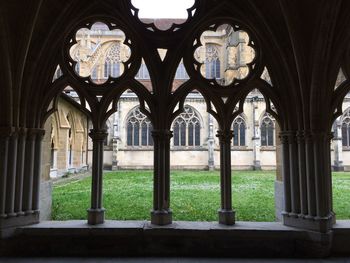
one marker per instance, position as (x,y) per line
(100,53)
(225,55)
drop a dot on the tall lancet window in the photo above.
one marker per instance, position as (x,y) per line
(239,128)
(186,128)
(212,62)
(267,128)
(138,129)
(112,61)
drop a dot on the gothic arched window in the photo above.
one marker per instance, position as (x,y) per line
(138,129)
(112,61)
(345,129)
(239,131)
(186,128)
(212,62)
(267,131)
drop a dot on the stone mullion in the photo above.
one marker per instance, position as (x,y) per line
(4,147)
(11,175)
(302,174)
(20,171)
(37,169)
(226,214)
(161,213)
(96,212)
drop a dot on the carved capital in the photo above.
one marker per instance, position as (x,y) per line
(98,135)
(6,132)
(34,133)
(287,137)
(318,136)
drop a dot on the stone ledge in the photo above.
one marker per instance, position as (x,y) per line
(141,238)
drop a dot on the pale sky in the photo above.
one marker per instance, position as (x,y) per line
(162,8)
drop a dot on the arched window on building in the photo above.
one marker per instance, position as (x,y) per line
(239,128)
(345,129)
(112,61)
(212,62)
(267,128)
(186,128)
(138,129)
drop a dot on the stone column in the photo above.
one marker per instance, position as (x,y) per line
(161,213)
(37,169)
(5,134)
(226,214)
(286,173)
(20,170)
(302,173)
(211,163)
(96,212)
(29,172)
(294,174)
(11,174)
(307,180)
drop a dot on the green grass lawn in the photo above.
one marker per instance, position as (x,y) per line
(195,196)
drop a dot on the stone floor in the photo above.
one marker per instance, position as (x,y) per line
(170,260)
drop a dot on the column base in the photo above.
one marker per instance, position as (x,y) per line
(96,216)
(226,217)
(8,225)
(314,223)
(161,217)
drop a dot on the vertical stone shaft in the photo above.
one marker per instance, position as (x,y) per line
(37,168)
(4,141)
(29,172)
(96,212)
(322,173)
(286,172)
(226,214)
(161,213)
(294,174)
(20,171)
(302,174)
(310,175)
(11,175)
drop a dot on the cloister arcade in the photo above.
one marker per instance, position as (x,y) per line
(301,46)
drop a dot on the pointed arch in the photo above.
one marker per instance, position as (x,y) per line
(267,130)
(138,129)
(239,130)
(186,128)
